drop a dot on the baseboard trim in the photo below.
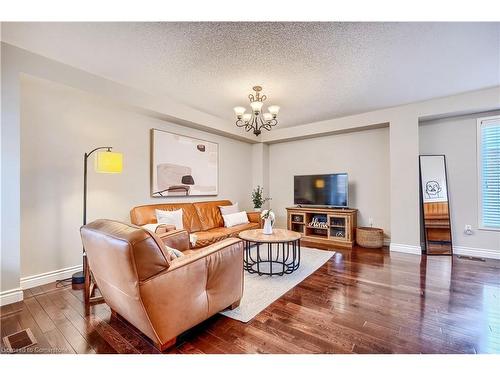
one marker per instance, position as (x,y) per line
(408,249)
(48,277)
(476,252)
(11,296)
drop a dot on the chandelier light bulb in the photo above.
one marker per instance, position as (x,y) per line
(267,116)
(239,111)
(247,117)
(256,106)
(273,110)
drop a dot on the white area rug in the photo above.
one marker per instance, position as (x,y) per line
(260,291)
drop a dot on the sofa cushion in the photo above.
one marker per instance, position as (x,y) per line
(209,214)
(146,214)
(240,228)
(209,237)
(213,235)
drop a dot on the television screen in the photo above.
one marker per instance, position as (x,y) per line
(322,190)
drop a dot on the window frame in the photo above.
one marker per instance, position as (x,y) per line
(480,225)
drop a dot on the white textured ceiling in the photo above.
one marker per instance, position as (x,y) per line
(314,71)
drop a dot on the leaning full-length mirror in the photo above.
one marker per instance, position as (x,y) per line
(436,210)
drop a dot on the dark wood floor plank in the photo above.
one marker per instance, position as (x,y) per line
(40,316)
(360,301)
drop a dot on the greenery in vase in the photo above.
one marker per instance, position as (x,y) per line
(257,197)
(268,214)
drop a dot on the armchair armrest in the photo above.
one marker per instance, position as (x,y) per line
(178,239)
(254,217)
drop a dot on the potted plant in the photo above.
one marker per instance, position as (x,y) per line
(258,199)
(268,217)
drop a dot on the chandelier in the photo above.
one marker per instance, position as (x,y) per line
(256,120)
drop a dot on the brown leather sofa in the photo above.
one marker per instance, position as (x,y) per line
(202,218)
(161,295)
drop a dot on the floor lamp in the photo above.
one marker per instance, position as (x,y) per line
(105,162)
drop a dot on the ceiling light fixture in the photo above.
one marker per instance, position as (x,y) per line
(256,120)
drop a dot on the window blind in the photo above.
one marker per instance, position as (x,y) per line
(489,148)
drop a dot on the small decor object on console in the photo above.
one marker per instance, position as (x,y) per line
(256,120)
(319,222)
(258,199)
(268,217)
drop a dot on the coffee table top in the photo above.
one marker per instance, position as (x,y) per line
(279,235)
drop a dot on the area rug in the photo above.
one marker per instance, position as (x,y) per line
(260,291)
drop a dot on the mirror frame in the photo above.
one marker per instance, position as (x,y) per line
(422,221)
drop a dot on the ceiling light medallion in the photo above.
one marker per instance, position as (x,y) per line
(256,120)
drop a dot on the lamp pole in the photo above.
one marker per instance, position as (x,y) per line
(79,277)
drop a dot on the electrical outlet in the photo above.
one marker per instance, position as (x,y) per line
(370,221)
(468,229)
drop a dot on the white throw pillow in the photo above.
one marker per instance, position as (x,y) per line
(170,217)
(226,210)
(174,253)
(235,219)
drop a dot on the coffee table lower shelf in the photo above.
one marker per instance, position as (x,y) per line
(272,258)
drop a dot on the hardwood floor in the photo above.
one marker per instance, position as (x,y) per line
(361,301)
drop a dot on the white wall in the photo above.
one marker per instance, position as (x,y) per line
(456,138)
(364,155)
(58,125)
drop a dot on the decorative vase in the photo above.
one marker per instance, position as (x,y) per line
(268,226)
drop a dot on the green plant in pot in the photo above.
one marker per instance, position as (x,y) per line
(258,198)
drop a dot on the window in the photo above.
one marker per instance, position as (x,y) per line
(488,138)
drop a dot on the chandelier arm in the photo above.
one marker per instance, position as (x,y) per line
(273,122)
(240,123)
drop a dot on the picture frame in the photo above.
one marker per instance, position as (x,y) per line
(183,166)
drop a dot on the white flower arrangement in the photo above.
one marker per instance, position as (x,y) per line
(268,214)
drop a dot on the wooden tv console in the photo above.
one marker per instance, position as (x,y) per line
(337,230)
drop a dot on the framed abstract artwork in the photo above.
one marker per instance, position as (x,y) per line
(183,166)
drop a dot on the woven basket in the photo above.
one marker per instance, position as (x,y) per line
(370,237)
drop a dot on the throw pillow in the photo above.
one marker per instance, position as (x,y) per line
(235,219)
(232,209)
(174,253)
(170,217)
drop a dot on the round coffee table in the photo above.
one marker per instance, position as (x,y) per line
(283,252)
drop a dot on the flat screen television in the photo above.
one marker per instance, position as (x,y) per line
(330,190)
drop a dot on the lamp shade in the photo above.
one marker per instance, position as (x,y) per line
(267,116)
(239,111)
(108,162)
(256,106)
(273,109)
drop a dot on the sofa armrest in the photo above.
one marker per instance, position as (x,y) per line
(254,217)
(193,288)
(178,239)
(164,228)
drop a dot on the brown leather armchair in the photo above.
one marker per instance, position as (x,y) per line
(160,295)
